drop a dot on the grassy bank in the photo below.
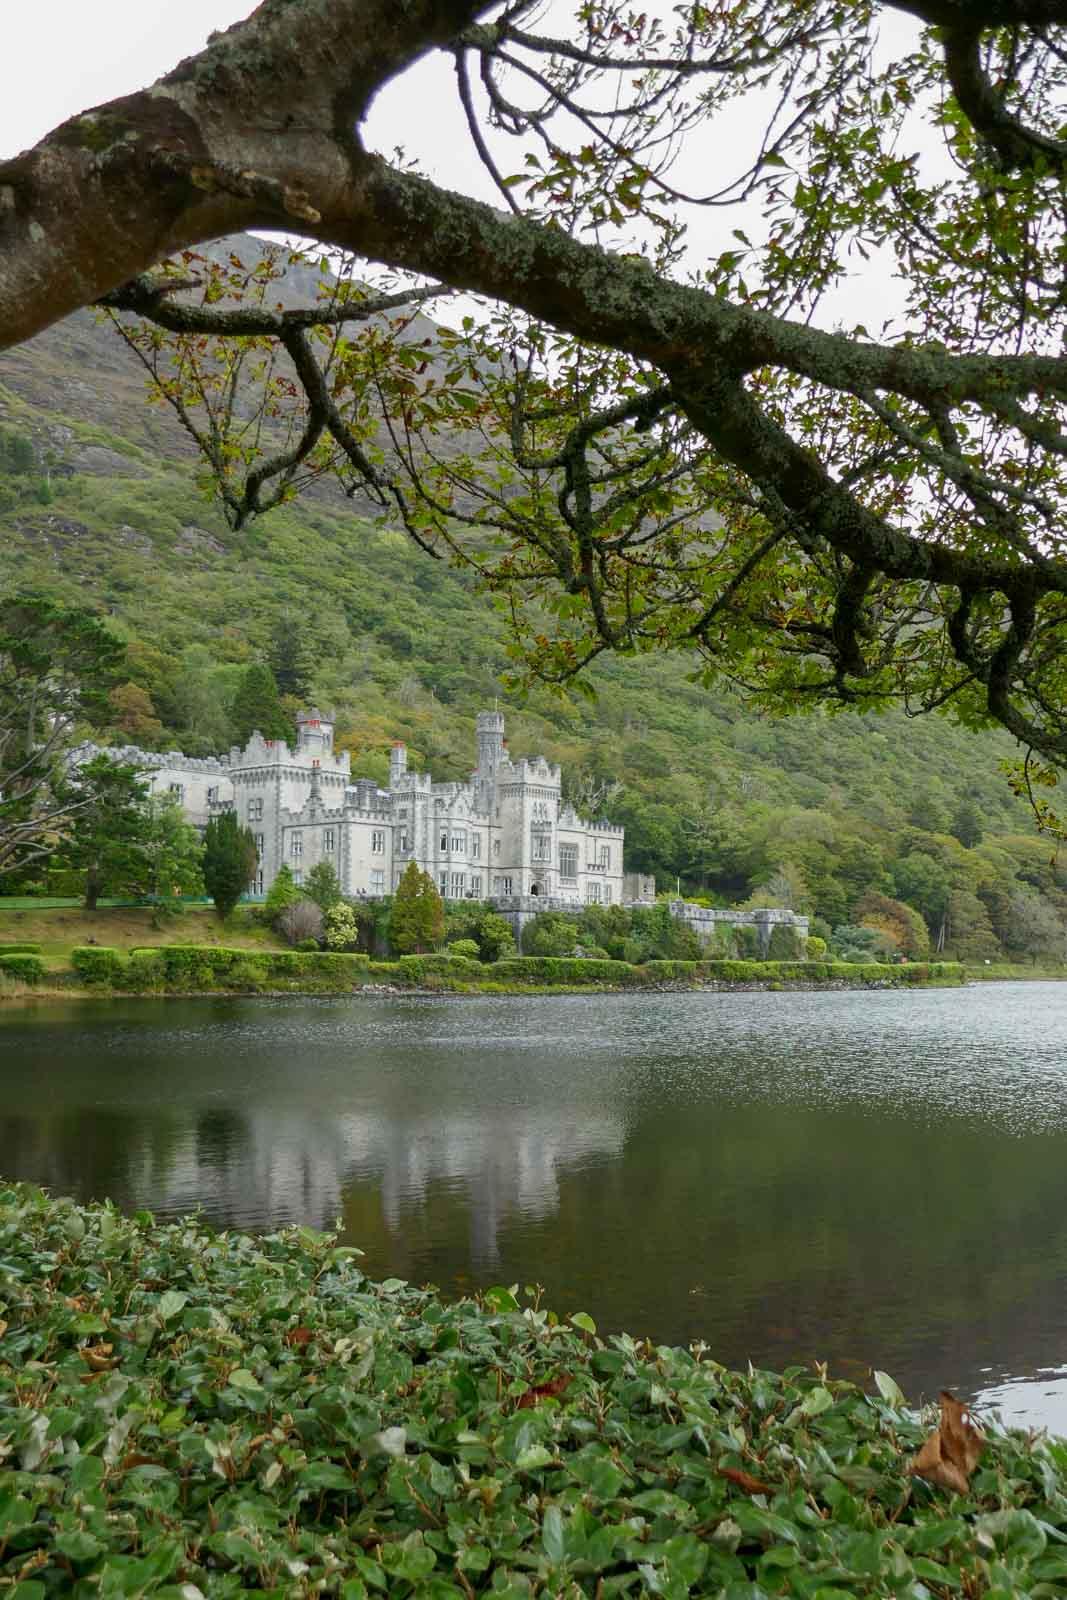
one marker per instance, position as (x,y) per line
(193,969)
(57,931)
(187,1415)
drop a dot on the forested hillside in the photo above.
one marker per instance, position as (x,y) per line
(855,819)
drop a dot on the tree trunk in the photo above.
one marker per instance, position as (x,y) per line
(93,887)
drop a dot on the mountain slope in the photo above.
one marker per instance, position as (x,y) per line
(106,506)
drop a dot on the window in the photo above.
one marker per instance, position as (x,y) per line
(377,842)
(605,856)
(459,842)
(568,860)
(592,893)
(442,883)
(213,792)
(296,846)
(178,791)
(377,881)
(403,813)
(607,894)
(459,883)
(404,842)
(261,840)
(444,841)
(541,847)
(476,846)
(476,885)
(255,810)
(298,876)
(257,883)
(496,847)
(502,885)
(327,839)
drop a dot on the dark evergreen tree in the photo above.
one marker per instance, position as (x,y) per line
(289,656)
(967,824)
(323,885)
(417,918)
(108,829)
(57,665)
(256,705)
(230,861)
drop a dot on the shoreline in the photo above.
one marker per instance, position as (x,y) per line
(44,993)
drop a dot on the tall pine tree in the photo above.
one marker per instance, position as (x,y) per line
(417,918)
(230,861)
(256,705)
(289,656)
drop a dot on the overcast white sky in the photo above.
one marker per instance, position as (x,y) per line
(62,56)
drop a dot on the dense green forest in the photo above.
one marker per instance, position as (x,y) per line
(861,821)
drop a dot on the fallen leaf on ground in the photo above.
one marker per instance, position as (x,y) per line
(298,1337)
(543,1391)
(953,1450)
(745,1480)
(97,1357)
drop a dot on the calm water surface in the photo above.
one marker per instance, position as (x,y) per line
(868,1179)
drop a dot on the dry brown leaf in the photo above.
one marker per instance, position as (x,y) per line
(745,1480)
(97,1357)
(543,1391)
(953,1450)
(298,1337)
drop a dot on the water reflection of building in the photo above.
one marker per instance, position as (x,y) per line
(269,1168)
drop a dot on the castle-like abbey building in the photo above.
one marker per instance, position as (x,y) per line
(506,834)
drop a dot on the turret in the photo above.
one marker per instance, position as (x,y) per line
(314,731)
(398,763)
(491,742)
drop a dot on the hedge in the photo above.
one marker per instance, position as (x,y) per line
(98,963)
(559,969)
(664,971)
(442,965)
(23,949)
(190,967)
(23,964)
(193,966)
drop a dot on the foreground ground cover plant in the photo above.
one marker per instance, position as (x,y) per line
(185,1413)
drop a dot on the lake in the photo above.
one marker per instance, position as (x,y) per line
(870,1179)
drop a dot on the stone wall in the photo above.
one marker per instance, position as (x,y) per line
(519,910)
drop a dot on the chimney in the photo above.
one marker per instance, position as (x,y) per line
(398,763)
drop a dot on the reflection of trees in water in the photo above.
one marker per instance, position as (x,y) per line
(93,1154)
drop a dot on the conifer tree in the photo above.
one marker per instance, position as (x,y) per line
(417,918)
(256,705)
(289,656)
(230,861)
(283,892)
(323,885)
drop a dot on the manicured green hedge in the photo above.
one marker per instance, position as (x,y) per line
(25,948)
(385,972)
(665,971)
(559,969)
(98,963)
(189,966)
(445,964)
(24,965)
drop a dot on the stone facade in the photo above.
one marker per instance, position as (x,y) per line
(505,833)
